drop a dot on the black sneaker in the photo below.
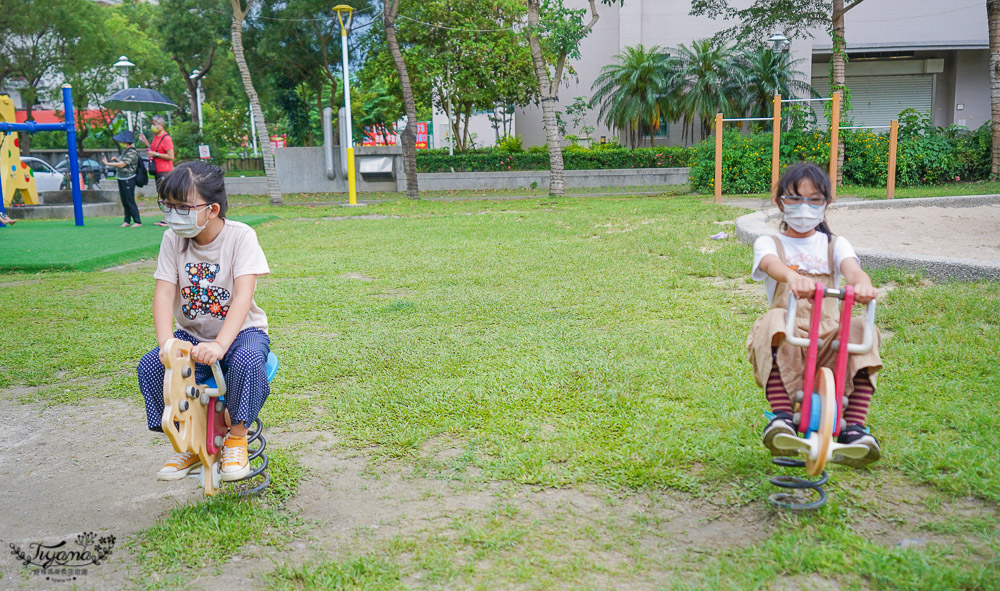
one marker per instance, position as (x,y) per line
(857,434)
(781,423)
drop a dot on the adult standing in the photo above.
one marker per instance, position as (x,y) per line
(160,152)
(126,163)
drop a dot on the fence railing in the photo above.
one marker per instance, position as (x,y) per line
(243,164)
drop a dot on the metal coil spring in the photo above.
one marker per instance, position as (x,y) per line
(788,500)
(257,434)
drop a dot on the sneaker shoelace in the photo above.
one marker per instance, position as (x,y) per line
(178,460)
(234,456)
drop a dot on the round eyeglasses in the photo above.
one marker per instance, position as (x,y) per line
(797,199)
(179,208)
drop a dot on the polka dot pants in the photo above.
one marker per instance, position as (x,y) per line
(243,366)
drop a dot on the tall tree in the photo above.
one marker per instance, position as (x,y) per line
(795,18)
(236,31)
(469,56)
(554,33)
(635,93)
(993,18)
(711,83)
(35,44)
(409,137)
(191,31)
(768,72)
(295,46)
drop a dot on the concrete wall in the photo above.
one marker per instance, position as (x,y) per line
(972,86)
(308,175)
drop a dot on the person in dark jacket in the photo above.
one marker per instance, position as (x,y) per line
(126,163)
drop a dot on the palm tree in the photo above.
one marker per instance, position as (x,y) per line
(767,73)
(711,83)
(635,92)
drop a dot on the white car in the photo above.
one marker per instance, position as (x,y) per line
(46,177)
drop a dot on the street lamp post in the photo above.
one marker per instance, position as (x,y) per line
(196,76)
(352,188)
(123,64)
(779,41)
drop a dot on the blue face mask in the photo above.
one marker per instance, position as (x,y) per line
(804,217)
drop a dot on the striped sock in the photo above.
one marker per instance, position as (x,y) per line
(775,391)
(857,405)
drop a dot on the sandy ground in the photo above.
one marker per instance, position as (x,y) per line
(954,232)
(958,232)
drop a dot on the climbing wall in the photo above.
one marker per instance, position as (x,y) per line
(14,174)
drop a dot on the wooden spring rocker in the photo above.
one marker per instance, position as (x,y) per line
(195,418)
(819,414)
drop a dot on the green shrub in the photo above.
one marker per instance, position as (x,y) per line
(574,158)
(925,154)
(746,164)
(510,143)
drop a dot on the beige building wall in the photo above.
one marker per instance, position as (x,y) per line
(955,32)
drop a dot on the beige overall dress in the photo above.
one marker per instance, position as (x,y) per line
(769,331)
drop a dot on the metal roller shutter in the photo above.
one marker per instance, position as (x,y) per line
(876,100)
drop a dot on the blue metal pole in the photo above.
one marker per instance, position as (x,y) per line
(74,164)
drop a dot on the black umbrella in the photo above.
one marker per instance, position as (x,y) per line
(139,99)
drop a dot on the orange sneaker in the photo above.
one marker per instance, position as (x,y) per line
(178,466)
(235,462)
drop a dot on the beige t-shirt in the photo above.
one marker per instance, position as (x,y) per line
(204,277)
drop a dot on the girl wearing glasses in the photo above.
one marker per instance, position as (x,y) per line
(206,275)
(804,253)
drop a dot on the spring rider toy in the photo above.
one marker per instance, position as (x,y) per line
(819,415)
(194,417)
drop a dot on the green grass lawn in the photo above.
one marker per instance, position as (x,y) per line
(35,245)
(574,342)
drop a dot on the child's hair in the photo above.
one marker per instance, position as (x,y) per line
(195,176)
(788,184)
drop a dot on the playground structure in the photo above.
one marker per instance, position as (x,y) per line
(776,143)
(17,176)
(819,414)
(195,419)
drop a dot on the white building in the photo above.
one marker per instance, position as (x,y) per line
(925,54)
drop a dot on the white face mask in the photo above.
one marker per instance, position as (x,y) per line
(185,226)
(804,217)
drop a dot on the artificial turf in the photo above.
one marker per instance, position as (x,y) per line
(58,245)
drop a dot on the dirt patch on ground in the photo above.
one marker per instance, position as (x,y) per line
(70,469)
(357,277)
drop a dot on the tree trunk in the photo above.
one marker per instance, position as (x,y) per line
(409,135)
(273,189)
(549,92)
(993,18)
(838,74)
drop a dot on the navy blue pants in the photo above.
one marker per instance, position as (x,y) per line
(243,366)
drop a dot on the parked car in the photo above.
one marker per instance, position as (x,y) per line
(46,177)
(93,172)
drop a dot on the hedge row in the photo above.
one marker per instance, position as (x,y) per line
(573,159)
(930,156)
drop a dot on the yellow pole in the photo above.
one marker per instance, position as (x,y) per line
(775,144)
(890,190)
(718,157)
(834,142)
(352,187)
